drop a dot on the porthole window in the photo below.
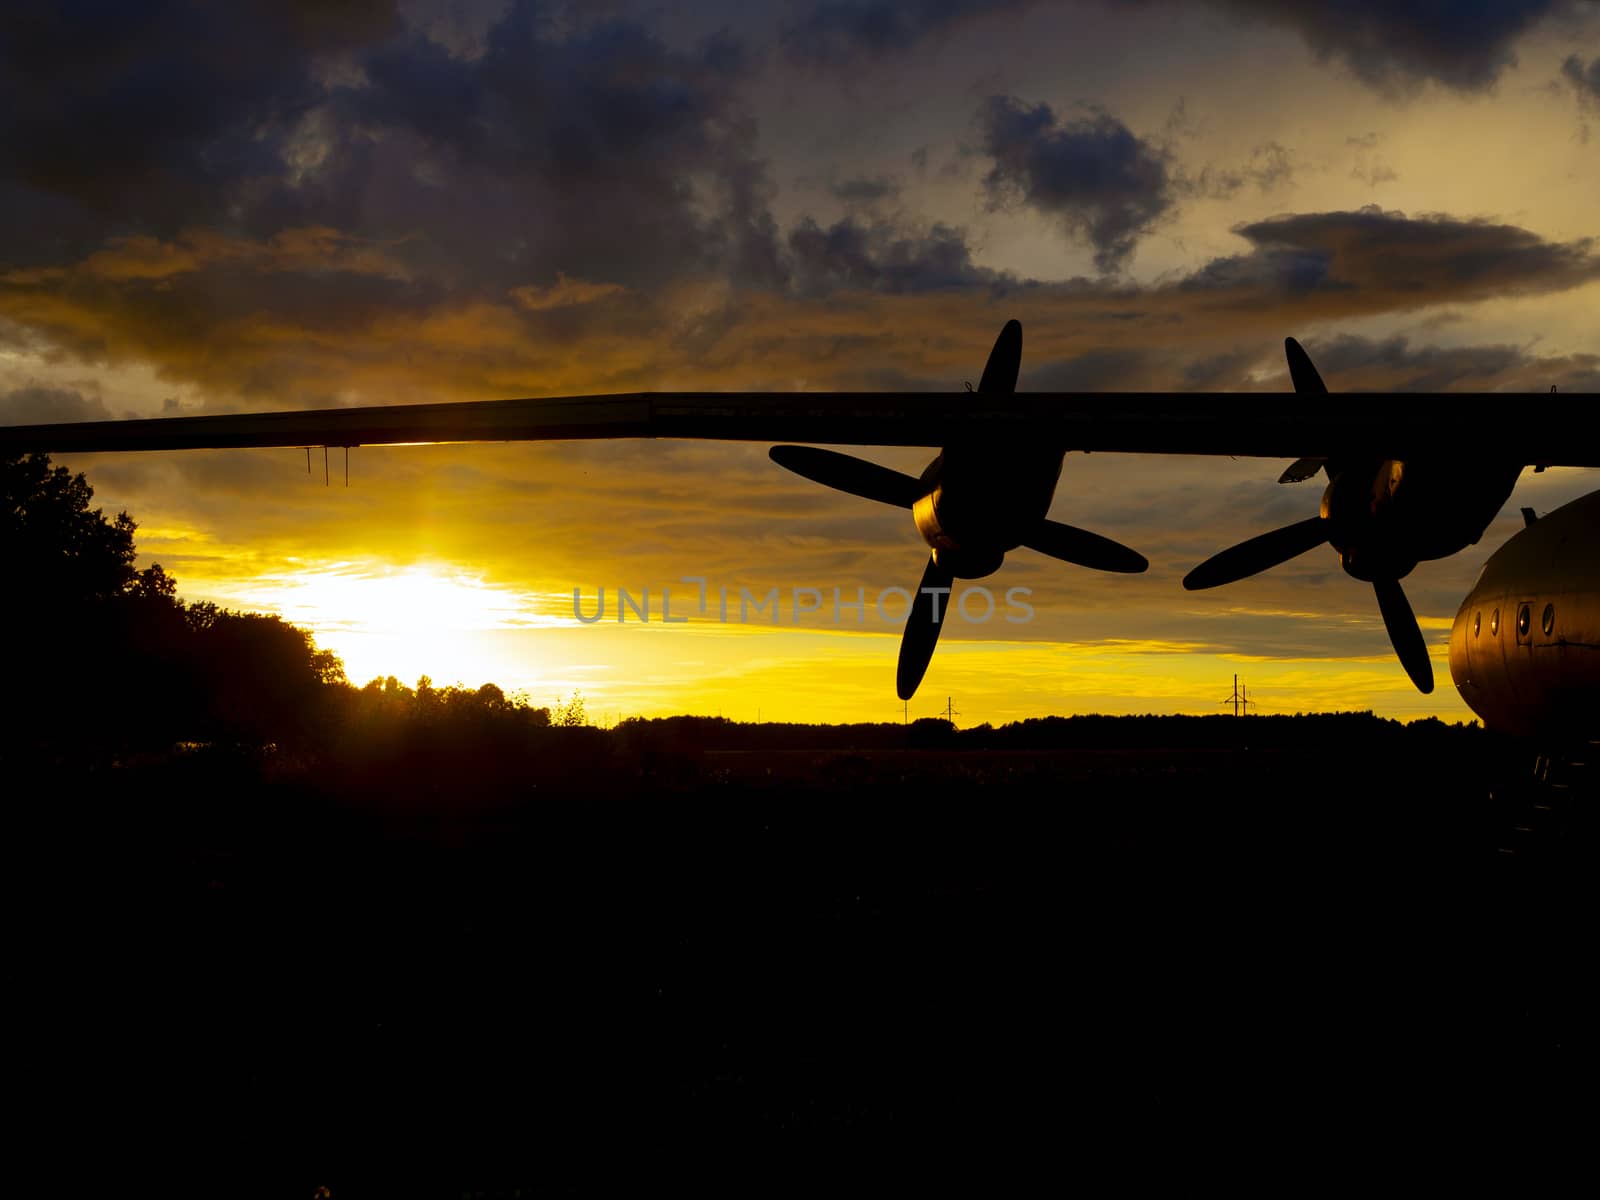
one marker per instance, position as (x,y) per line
(1477,622)
(1494,623)
(1524,621)
(1548,624)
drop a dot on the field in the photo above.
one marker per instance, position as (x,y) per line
(665,942)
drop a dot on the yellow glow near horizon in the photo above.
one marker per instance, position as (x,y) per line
(456,628)
(429,619)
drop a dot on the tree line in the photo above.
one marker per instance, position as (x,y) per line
(106,658)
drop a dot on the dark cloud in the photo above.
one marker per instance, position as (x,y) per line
(1378,253)
(569,153)
(1391,45)
(45,405)
(837,32)
(1394,45)
(1585,81)
(1093,174)
(1347,363)
(881,257)
(548,153)
(152,108)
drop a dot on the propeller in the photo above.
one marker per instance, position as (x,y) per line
(1405,635)
(1260,553)
(1085,549)
(929,609)
(858,477)
(847,473)
(1268,550)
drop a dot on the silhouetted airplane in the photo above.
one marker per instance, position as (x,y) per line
(1411,477)
(977,500)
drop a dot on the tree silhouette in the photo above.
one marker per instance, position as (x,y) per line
(571,713)
(94,635)
(56,547)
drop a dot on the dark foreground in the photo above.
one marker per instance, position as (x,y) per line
(329,976)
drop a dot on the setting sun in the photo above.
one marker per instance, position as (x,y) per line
(382,620)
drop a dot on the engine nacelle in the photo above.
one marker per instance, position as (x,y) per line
(1385,516)
(1366,524)
(963,559)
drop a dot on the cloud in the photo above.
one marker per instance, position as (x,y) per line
(45,405)
(1396,45)
(1386,254)
(1347,363)
(1393,46)
(1393,364)
(1270,164)
(1094,175)
(881,257)
(1585,81)
(563,293)
(113,108)
(521,162)
(1374,173)
(838,32)
(304,321)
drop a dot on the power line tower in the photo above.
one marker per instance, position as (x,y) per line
(1240,700)
(950,712)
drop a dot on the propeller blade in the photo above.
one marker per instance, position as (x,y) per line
(1404,633)
(1258,554)
(922,631)
(1301,469)
(1079,546)
(846,473)
(1306,382)
(1306,379)
(1005,360)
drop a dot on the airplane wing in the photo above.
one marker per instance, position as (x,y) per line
(1537,429)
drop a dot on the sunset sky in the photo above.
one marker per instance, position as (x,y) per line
(273,205)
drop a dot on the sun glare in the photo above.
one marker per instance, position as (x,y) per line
(411,621)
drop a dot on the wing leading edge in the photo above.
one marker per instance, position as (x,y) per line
(1536,429)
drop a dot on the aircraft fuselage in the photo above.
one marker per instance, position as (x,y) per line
(1525,646)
